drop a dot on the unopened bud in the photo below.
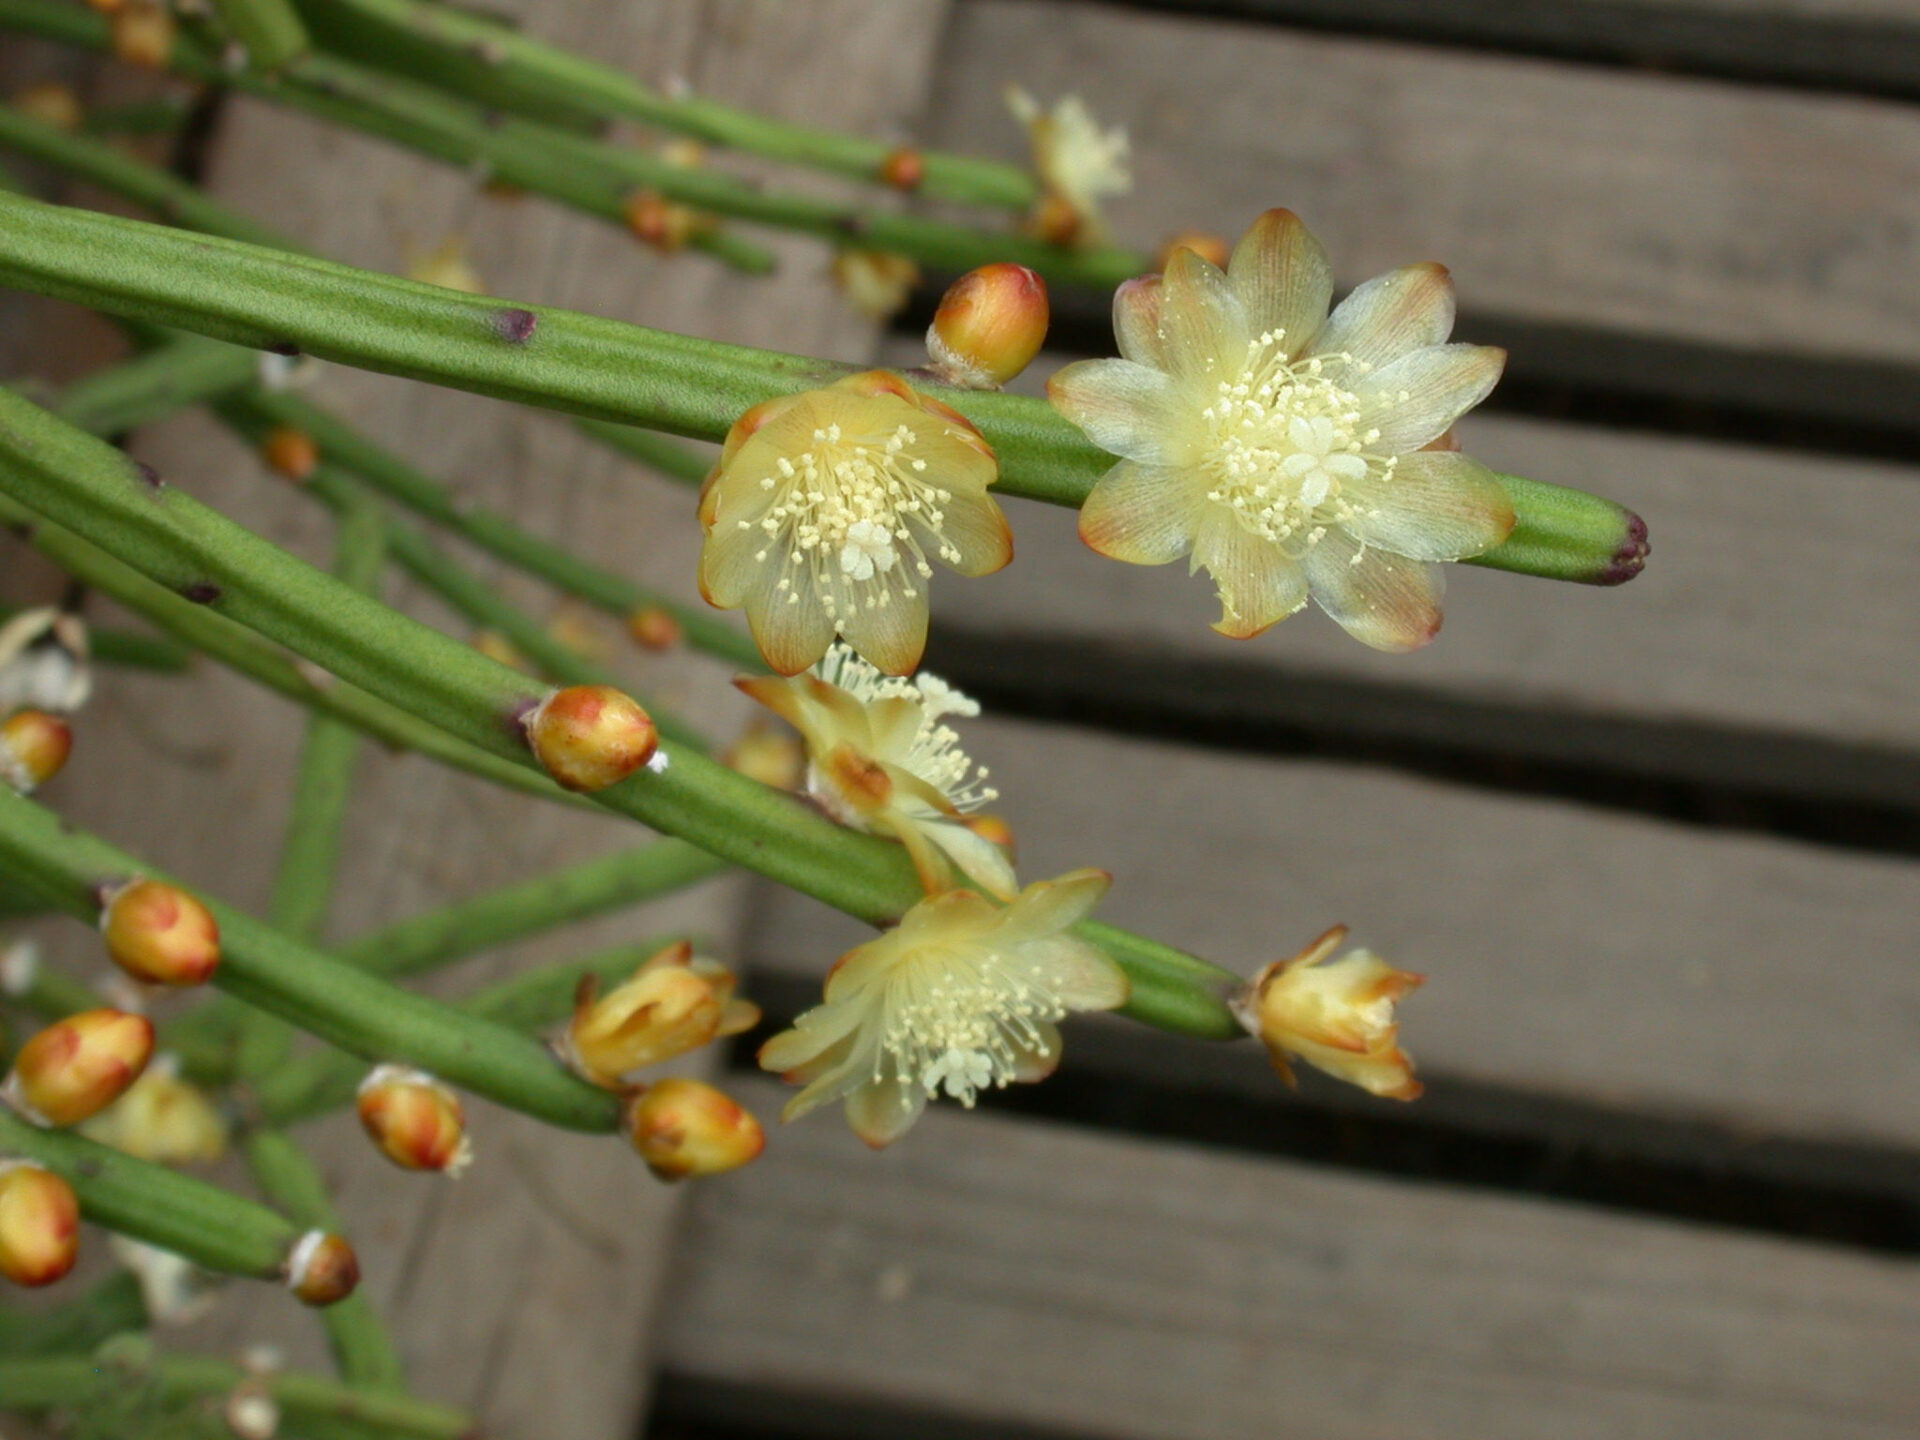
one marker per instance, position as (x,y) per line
(989,326)
(497,647)
(78,1066)
(51,103)
(675,1002)
(321,1268)
(1211,248)
(143,34)
(289,451)
(1056,221)
(659,222)
(876,282)
(159,933)
(903,169)
(415,1120)
(772,756)
(685,1128)
(33,747)
(251,1412)
(653,628)
(588,737)
(39,1224)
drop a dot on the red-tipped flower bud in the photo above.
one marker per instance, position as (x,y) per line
(78,1066)
(653,628)
(683,1128)
(321,1269)
(675,1002)
(903,169)
(290,451)
(659,222)
(989,326)
(588,737)
(39,1224)
(159,933)
(415,1120)
(33,747)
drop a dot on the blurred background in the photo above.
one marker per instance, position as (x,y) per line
(1654,848)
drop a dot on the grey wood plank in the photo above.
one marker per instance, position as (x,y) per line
(1021,1274)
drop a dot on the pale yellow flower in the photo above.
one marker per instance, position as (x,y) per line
(963,996)
(1338,1017)
(827,509)
(162,1118)
(43,662)
(881,759)
(1290,452)
(1078,162)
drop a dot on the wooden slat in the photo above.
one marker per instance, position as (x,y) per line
(1698,211)
(1621,961)
(1021,1274)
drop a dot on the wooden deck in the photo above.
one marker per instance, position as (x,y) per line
(1655,848)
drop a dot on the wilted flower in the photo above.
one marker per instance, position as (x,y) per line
(162,1118)
(676,1001)
(1338,1018)
(1079,164)
(1291,452)
(827,509)
(881,760)
(961,996)
(43,662)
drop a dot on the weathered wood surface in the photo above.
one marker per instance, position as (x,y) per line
(1694,210)
(1022,1274)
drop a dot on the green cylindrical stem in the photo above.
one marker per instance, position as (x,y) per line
(154,385)
(270,30)
(212,1228)
(341,1005)
(124,647)
(75,1328)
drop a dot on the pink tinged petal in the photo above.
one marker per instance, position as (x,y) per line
(1258,583)
(1047,907)
(1136,320)
(1203,330)
(1041,1057)
(978,529)
(894,635)
(881,1111)
(1384,600)
(1281,274)
(1126,409)
(976,857)
(1143,514)
(1438,505)
(791,627)
(1388,316)
(1415,400)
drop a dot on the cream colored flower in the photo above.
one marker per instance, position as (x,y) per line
(827,509)
(162,1118)
(1079,164)
(1291,452)
(1338,1018)
(674,1002)
(962,996)
(43,662)
(880,759)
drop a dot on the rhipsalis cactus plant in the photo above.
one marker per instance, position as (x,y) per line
(1295,449)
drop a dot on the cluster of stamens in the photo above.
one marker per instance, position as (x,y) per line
(1286,451)
(935,754)
(844,509)
(963,1020)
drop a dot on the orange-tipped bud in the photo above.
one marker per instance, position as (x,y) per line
(415,1120)
(289,451)
(659,222)
(143,34)
(78,1066)
(685,1128)
(653,628)
(39,1224)
(159,933)
(321,1269)
(903,169)
(771,756)
(1212,248)
(675,1002)
(51,103)
(588,737)
(33,748)
(989,326)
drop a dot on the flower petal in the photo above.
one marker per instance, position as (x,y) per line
(977,857)
(893,635)
(1259,584)
(1384,600)
(814,1034)
(791,627)
(1414,400)
(1082,976)
(1038,1060)
(1143,514)
(1047,907)
(978,529)
(730,569)
(1281,274)
(1127,409)
(1439,505)
(881,1111)
(1136,320)
(1389,315)
(1203,329)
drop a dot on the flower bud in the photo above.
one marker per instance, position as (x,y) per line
(903,169)
(875,282)
(142,34)
(159,933)
(39,1224)
(772,756)
(684,1127)
(660,223)
(51,103)
(415,1120)
(78,1066)
(675,1002)
(989,326)
(33,748)
(588,737)
(321,1269)
(653,628)
(289,451)
(162,1118)
(498,648)
(1211,248)
(1056,221)
(1338,1018)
